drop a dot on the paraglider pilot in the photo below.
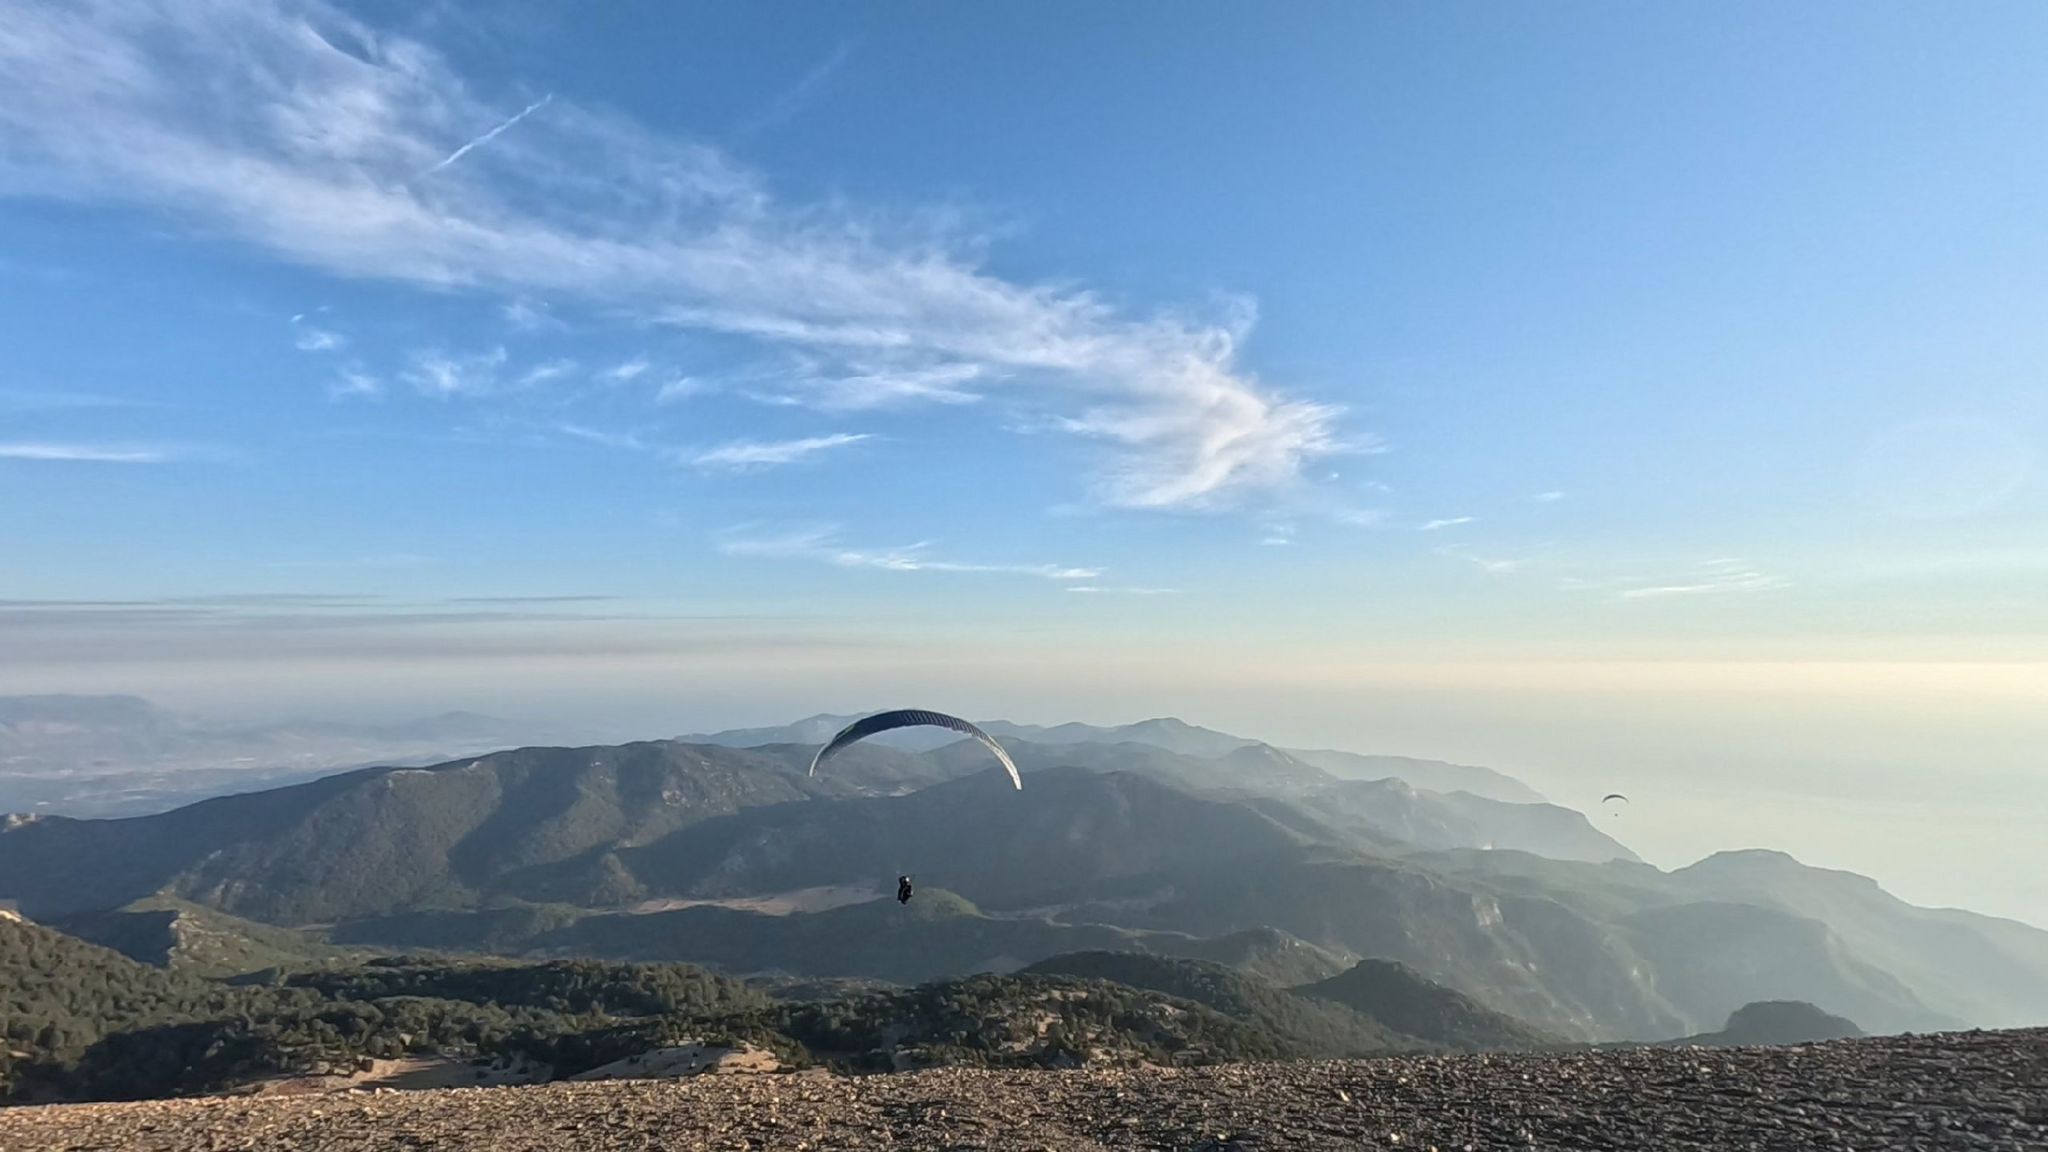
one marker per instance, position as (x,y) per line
(903,889)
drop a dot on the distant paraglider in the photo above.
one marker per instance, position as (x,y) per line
(903,889)
(913,718)
(1612,796)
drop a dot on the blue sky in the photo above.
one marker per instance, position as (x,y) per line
(1611,392)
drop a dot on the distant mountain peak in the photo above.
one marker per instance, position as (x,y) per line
(1750,857)
(1779,1022)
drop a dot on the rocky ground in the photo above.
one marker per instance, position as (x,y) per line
(1962,1090)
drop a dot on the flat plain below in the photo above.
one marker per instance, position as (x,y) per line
(1973,1090)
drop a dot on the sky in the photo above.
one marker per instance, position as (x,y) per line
(1642,398)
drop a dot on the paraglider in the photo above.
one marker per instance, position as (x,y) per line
(912,718)
(1614,796)
(903,889)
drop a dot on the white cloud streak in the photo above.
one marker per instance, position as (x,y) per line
(313,131)
(763,453)
(1486,563)
(680,388)
(528,315)
(621,373)
(356,383)
(1447,522)
(494,133)
(880,386)
(785,106)
(1714,577)
(821,544)
(440,374)
(627,440)
(542,373)
(88,453)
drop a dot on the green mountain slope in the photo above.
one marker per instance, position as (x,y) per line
(1529,957)
(1023,1022)
(976,836)
(60,995)
(1402,999)
(1958,966)
(1381,815)
(171,933)
(1989,971)
(1712,957)
(1266,954)
(387,840)
(1309,1028)
(937,935)
(78,1021)
(83,1022)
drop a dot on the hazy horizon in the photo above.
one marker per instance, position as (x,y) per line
(1640,399)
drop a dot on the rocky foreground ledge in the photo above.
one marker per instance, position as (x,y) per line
(1958,1090)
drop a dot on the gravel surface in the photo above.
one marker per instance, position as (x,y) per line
(1960,1090)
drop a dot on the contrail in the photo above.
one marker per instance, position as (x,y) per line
(487,137)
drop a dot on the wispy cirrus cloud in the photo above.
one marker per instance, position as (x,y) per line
(680,388)
(1360,517)
(328,142)
(354,382)
(630,440)
(786,105)
(627,370)
(766,453)
(1446,522)
(270,629)
(546,371)
(442,374)
(528,314)
(1621,578)
(863,386)
(86,453)
(823,544)
(1712,577)
(1486,563)
(310,337)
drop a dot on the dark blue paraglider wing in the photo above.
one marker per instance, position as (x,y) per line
(913,718)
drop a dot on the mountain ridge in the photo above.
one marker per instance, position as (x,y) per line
(1170,733)
(516,850)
